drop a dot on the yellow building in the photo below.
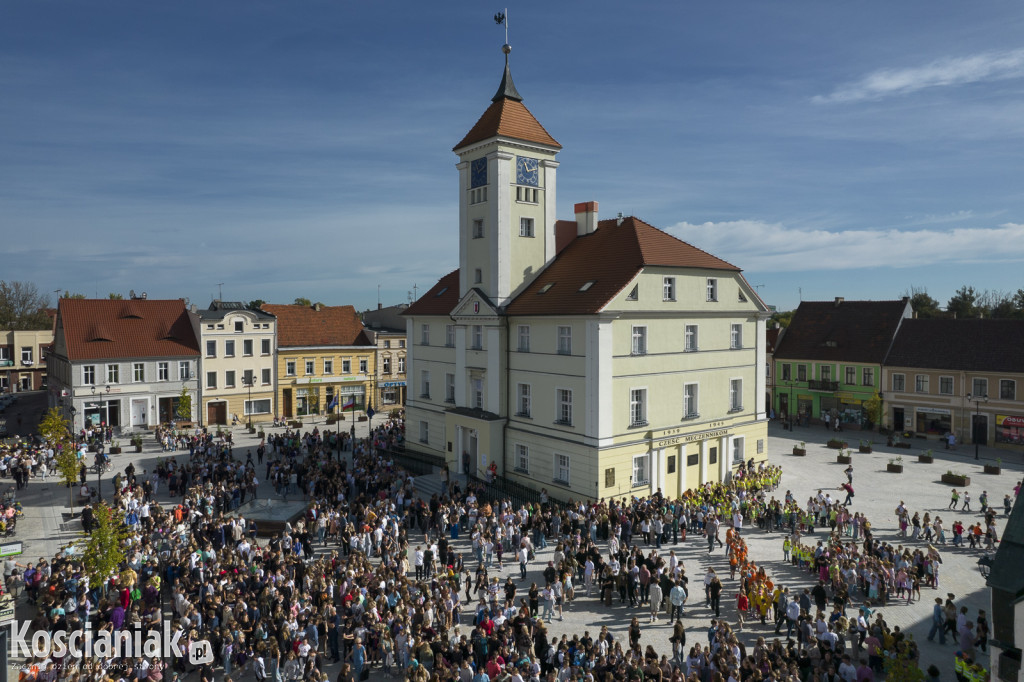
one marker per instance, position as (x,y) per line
(323,353)
(594,358)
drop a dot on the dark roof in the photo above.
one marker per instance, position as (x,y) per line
(301,325)
(1006,574)
(837,331)
(218,310)
(507,89)
(611,257)
(386,320)
(772,338)
(971,345)
(508,118)
(96,329)
(440,300)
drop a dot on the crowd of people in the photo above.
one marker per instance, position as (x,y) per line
(372,576)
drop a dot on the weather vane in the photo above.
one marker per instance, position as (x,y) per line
(502,18)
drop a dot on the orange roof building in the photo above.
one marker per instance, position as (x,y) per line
(593,358)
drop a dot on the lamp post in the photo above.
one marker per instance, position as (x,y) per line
(790,410)
(99,450)
(977,400)
(106,417)
(248,379)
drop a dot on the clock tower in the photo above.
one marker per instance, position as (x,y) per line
(507,182)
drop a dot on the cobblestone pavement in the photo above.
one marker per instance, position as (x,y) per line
(44,529)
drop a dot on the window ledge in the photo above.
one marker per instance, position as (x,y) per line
(736,409)
(638,353)
(564,484)
(641,484)
(425,396)
(564,352)
(695,415)
(690,350)
(637,425)
(523,415)
(520,470)
(562,422)
(449,400)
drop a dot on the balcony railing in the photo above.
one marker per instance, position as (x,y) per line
(816,385)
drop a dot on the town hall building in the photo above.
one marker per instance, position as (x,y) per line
(593,358)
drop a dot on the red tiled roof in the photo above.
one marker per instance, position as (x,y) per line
(611,256)
(851,331)
(440,300)
(508,118)
(144,328)
(300,325)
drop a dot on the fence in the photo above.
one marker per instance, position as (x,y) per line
(416,463)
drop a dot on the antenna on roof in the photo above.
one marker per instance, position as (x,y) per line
(220,291)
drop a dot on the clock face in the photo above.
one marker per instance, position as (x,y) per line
(526,171)
(478,173)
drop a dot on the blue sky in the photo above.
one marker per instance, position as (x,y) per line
(304,149)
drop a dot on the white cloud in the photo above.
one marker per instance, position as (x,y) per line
(774,247)
(987,66)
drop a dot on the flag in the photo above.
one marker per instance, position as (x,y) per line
(333,404)
(349,402)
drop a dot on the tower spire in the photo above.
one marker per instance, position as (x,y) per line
(507,89)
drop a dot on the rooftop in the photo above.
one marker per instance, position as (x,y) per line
(137,328)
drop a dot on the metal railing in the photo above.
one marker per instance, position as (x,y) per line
(416,463)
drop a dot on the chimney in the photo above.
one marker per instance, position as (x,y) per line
(839,300)
(316,307)
(586,218)
(619,219)
(380,305)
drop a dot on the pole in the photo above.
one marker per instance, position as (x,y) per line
(252,377)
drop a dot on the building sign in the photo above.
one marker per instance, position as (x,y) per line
(6,608)
(693,437)
(391,384)
(1009,420)
(11,549)
(933,410)
(329,380)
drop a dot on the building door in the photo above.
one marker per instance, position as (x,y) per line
(217,413)
(979,430)
(26,382)
(897,419)
(286,406)
(139,408)
(784,405)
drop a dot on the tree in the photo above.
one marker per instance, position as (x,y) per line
(104,551)
(963,304)
(873,408)
(303,301)
(115,297)
(22,306)
(68,294)
(184,411)
(56,430)
(924,305)
(783,318)
(255,304)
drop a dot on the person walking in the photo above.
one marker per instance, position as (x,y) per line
(938,622)
(967,502)
(954,499)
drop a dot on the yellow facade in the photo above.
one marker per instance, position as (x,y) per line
(309,378)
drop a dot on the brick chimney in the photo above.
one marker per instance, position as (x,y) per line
(586,218)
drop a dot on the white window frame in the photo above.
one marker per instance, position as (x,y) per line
(401,364)
(736,336)
(229,348)
(265,348)
(328,366)
(668,289)
(424,334)
(346,366)
(289,368)
(522,459)
(952,384)
(256,406)
(138,372)
(561,471)
(525,227)
(1012,383)
(738,449)
(524,338)
(309,365)
(564,336)
(563,406)
(184,370)
(867,376)
(163,371)
(902,382)
(229,378)
(850,375)
(424,431)
(88,375)
(825,373)
(641,470)
(736,394)
(385,364)
(113,373)
(247,348)
(979,386)
(478,276)
(449,387)
(425,383)
(477,340)
(638,406)
(449,336)
(211,348)
(265,376)
(639,340)
(691,338)
(712,289)
(239,326)
(921,383)
(691,411)
(477,390)
(26,355)
(524,400)
(211,380)
(364,366)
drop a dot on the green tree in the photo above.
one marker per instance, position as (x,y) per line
(303,301)
(963,304)
(255,304)
(184,411)
(104,551)
(56,430)
(924,305)
(902,668)
(68,294)
(22,306)
(115,297)
(783,318)
(873,408)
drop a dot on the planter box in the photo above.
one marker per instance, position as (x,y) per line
(138,448)
(866,449)
(925,459)
(837,444)
(894,468)
(261,435)
(844,459)
(901,444)
(989,469)
(800,452)
(958,481)
(115,451)
(362,418)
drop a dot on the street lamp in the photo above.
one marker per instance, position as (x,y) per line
(248,379)
(977,400)
(106,417)
(790,407)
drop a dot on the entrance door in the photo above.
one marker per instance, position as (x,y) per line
(898,419)
(783,406)
(139,413)
(217,413)
(979,431)
(286,398)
